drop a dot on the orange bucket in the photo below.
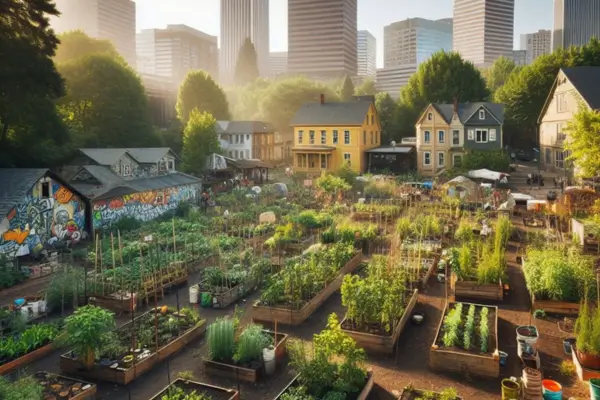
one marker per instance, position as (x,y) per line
(551,386)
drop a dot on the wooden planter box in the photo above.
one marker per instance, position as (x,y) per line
(555,306)
(27,359)
(115,303)
(245,374)
(436,260)
(473,290)
(584,374)
(461,361)
(363,395)
(412,394)
(215,392)
(382,343)
(287,316)
(88,394)
(232,295)
(123,376)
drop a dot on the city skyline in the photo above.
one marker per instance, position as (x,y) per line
(530,16)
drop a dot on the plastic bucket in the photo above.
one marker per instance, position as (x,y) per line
(510,389)
(567,345)
(551,390)
(595,389)
(205,300)
(503,358)
(527,339)
(194,294)
(269,359)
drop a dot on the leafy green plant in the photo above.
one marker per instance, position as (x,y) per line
(250,344)
(484,329)
(464,232)
(32,338)
(24,388)
(452,323)
(469,326)
(221,339)
(587,329)
(177,393)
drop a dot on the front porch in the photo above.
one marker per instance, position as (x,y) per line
(313,159)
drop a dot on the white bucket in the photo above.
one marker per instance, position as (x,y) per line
(194,294)
(269,359)
(42,306)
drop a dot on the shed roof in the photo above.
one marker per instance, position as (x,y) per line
(15,183)
(351,113)
(391,149)
(104,156)
(143,155)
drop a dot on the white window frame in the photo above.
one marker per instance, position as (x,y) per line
(426,137)
(311,137)
(458,137)
(482,114)
(559,159)
(425,163)
(126,169)
(323,137)
(335,136)
(471,134)
(561,104)
(442,136)
(171,165)
(443,158)
(346,137)
(455,157)
(492,135)
(429,116)
(300,136)
(487,138)
(248,153)
(348,158)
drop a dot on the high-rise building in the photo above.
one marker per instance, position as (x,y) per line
(519,57)
(241,20)
(392,79)
(278,63)
(536,44)
(414,40)
(483,30)
(322,38)
(366,53)
(575,22)
(176,50)
(113,20)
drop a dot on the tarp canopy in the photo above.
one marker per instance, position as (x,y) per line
(486,174)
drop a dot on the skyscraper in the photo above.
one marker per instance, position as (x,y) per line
(366,54)
(113,20)
(278,63)
(322,37)
(536,44)
(575,22)
(484,29)
(176,50)
(240,20)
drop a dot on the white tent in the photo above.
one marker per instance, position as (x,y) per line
(486,174)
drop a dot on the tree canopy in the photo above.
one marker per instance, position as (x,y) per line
(199,91)
(105,115)
(199,141)
(367,88)
(386,109)
(498,73)
(346,90)
(583,141)
(76,44)
(246,67)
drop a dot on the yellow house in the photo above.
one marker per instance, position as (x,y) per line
(329,134)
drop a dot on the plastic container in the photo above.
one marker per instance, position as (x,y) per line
(527,338)
(595,389)
(503,358)
(205,300)
(42,304)
(510,389)
(194,294)
(551,390)
(568,345)
(269,359)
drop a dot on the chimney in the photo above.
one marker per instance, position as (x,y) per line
(455,104)
(322,98)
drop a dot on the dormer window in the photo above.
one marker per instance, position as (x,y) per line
(429,116)
(126,170)
(482,114)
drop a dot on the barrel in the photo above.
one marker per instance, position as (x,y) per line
(194,294)
(551,390)
(510,389)
(269,359)
(595,389)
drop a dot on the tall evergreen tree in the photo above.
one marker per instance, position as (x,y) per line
(199,141)
(246,68)
(346,90)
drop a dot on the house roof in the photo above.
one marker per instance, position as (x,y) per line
(104,156)
(244,127)
(107,178)
(391,149)
(14,184)
(143,155)
(466,110)
(344,114)
(587,82)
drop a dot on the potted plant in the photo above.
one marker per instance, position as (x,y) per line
(587,331)
(84,331)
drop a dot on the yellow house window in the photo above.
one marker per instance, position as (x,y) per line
(372,138)
(300,135)
(323,137)
(311,137)
(347,159)
(335,136)
(346,137)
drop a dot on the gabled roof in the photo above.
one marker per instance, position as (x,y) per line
(466,110)
(104,156)
(148,184)
(244,127)
(143,155)
(351,113)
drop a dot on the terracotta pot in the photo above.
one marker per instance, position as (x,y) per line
(588,361)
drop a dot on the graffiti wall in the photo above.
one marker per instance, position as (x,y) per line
(144,206)
(50,220)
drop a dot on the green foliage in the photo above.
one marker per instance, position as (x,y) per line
(584,141)
(76,44)
(85,328)
(469,327)
(105,115)
(199,91)
(32,338)
(464,232)
(484,329)
(587,329)
(24,388)
(387,109)
(346,90)
(495,160)
(220,337)
(246,68)
(331,184)
(452,323)
(10,274)
(384,210)
(498,73)
(350,232)
(200,139)
(347,174)
(251,343)
(366,88)
(177,393)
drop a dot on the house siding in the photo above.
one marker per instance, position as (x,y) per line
(434,147)
(120,167)
(488,123)
(39,222)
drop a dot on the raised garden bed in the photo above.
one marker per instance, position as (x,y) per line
(249,373)
(60,387)
(475,290)
(410,393)
(584,374)
(33,344)
(472,361)
(382,342)
(187,387)
(116,371)
(293,317)
(119,303)
(555,306)
(363,395)
(223,296)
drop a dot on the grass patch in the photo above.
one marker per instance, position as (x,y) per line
(567,368)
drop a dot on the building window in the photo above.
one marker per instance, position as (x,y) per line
(236,154)
(441,136)
(561,102)
(300,135)
(426,158)
(247,137)
(248,154)
(323,137)
(481,135)
(429,116)
(481,114)
(45,190)
(241,139)
(335,136)
(441,159)
(347,159)
(456,137)
(492,135)
(127,170)
(372,138)
(346,137)
(171,165)
(376,137)
(559,162)
(426,137)
(364,137)
(311,137)
(323,161)
(548,156)
(230,139)
(456,160)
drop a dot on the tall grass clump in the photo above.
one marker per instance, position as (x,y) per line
(221,339)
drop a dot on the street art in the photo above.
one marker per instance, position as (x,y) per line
(37,223)
(143,206)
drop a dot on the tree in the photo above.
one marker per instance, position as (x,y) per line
(346,90)
(498,73)
(583,141)
(246,67)
(105,104)
(76,44)
(386,109)
(200,91)
(199,141)
(367,88)
(28,78)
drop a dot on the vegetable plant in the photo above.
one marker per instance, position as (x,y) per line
(484,329)
(469,326)
(32,338)
(177,393)
(587,329)
(452,323)
(247,348)
(220,337)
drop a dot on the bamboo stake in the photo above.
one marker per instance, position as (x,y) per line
(101,269)
(95,267)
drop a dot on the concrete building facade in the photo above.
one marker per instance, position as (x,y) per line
(575,22)
(392,79)
(278,63)
(536,44)
(366,53)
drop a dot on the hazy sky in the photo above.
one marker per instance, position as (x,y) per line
(530,15)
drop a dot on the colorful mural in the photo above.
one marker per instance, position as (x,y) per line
(144,206)
(39,222)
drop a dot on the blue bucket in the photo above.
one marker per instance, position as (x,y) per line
(503,358)
(551,390)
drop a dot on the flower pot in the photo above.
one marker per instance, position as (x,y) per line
(595,389)
(128,361)
(567,345)
(527,333)
(588,360)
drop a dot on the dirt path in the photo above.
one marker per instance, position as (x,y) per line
(29,287)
